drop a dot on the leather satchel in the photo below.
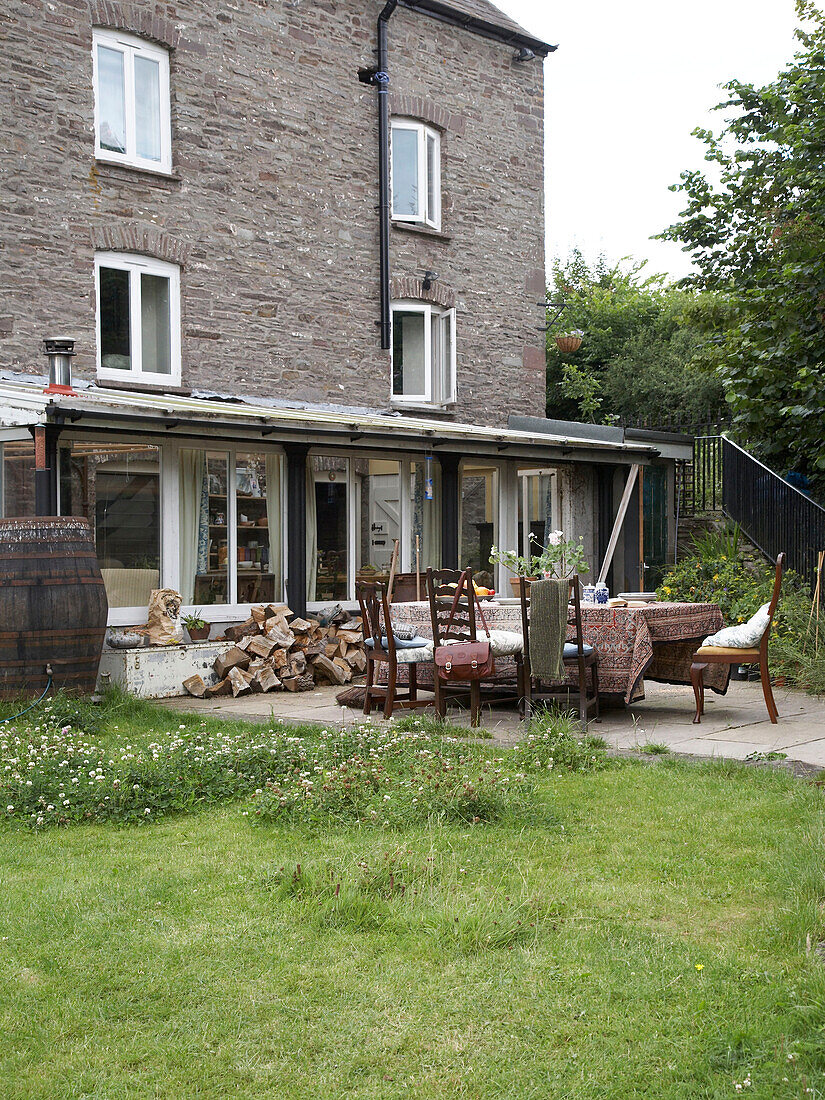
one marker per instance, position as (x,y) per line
(465,660)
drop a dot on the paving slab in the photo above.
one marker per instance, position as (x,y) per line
(733,726)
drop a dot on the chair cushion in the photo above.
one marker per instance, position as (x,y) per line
(735,654)
(408,655)
(402,643)
(572,650)
(504,643)
(744,635)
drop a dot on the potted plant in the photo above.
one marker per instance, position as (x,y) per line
(559,558)
(196,627)
(569,341)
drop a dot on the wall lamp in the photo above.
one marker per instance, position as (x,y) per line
(524,54)
(429,278)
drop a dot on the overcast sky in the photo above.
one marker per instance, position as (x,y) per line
(627,85)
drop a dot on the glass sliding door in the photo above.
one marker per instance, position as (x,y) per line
(116,486)
(229,526)
(478,529)
(257,488)
(425,514)
(17,478)
(327,528)
(377,484)
(537,508)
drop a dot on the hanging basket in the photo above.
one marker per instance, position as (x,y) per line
(568,343)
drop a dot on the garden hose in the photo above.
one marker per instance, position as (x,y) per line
(36,702)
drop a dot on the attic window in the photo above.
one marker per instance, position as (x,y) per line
(131,82)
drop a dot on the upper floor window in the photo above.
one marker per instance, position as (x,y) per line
(416,173)
(138,318)
(132,123)
(423,354)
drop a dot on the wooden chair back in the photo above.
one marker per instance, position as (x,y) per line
(777,585)
(375,614)
(574,618)
(443,585)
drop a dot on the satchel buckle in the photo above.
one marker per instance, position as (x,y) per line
(474,663)
(448,667)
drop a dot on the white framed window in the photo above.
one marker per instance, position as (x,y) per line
(138,318)
(132,113)
(423,354)
(416,173)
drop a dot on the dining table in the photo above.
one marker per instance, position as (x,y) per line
(654,641)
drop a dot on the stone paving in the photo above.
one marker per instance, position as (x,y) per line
(733,726)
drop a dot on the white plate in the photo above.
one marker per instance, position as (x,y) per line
(640,597)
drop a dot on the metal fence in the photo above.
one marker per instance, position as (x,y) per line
(704,478)
(774,515)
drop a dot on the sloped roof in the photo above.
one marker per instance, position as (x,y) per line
(481,14)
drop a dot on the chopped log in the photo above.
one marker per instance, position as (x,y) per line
(331,649)
(223,687)
(301,626)
(343,648)
(234,633)
(243,643)
(283,638)
(345,668)
(258,614)
(296,664)
(351,637)
(195,686)
(274,611)
(233,658)
(357,659)
(239,682)
(261,646)
(325,667)
(265,680)
(298,683)
(279,659)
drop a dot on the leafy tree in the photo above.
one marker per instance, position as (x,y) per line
(758,239)
(639,340)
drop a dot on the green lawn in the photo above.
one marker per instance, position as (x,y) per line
(638,931)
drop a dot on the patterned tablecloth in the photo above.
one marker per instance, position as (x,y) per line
(654,642)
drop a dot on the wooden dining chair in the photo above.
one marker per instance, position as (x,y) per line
(457,620)
(578,655)
(382,647)
(720,655)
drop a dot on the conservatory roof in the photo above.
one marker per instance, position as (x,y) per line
(210,415)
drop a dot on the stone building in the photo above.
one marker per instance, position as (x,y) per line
(299,250)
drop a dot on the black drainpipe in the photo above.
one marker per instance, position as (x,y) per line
(382,83)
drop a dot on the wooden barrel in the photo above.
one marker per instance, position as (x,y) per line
(53,605)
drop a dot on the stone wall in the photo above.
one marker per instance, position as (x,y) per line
(271,209)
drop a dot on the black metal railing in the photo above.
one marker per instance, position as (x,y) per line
(774,515)
(704,477)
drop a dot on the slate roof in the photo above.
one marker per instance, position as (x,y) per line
(488,14)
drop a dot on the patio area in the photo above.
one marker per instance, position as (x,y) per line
(734,725)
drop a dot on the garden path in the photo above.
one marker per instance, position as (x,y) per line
(733,727)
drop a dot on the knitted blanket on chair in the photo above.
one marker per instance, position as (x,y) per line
(548,628)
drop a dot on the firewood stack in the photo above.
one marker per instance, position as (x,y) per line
(275,649)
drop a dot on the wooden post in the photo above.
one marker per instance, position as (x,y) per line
(620,515)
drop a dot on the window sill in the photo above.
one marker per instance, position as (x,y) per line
(422,230)
(142,387)
(117,170)
(437,410)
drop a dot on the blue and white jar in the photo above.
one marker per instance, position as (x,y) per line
(589,593)
(602,593)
